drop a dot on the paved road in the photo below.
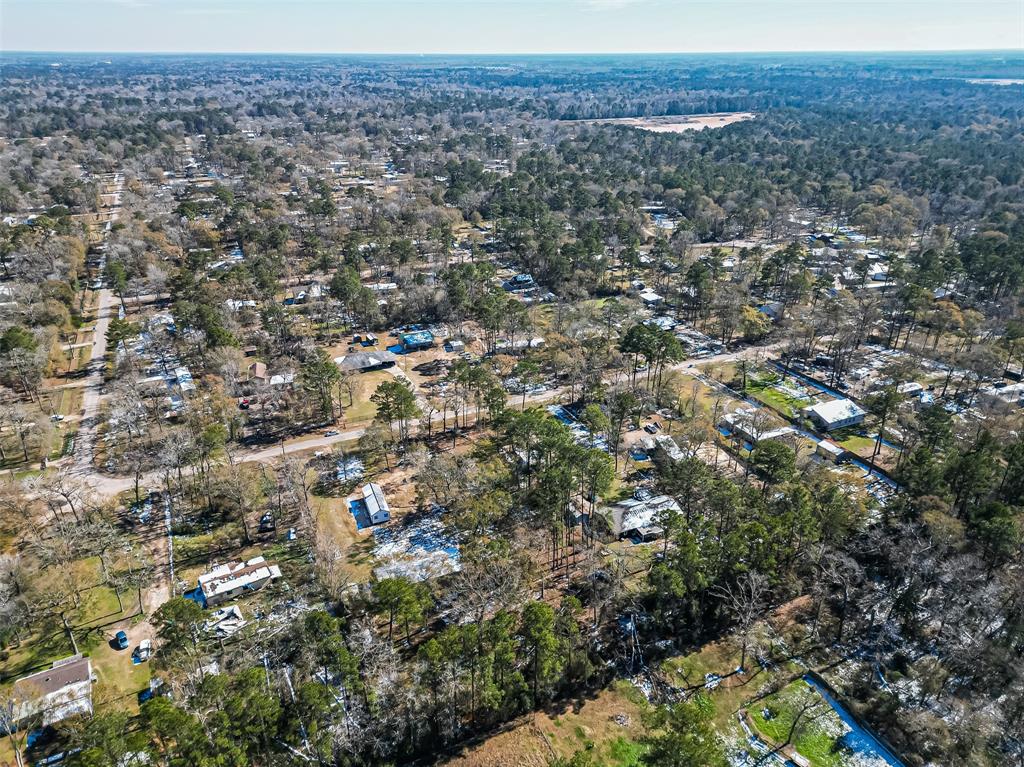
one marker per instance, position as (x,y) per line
(85,439)
(749,353)
(107,485)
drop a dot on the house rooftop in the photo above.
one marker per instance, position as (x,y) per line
(637,513)
(225,578)
(836,410)
(417,337)
(373,497)
(63,690)
(62,673)
(366,360)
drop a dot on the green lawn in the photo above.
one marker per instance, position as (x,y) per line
(91,622)
(815,739)
(858,444)
(363,387)
(762,388)
(119,680)
(608,726)
(776,400)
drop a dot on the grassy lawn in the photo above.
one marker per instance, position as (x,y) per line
(857,444)
(193,554)
(70,401)
(93,625)
(118,680)
(815,739)
(363,386)
(716,658)
(776,400)
(697,397)
(722,371)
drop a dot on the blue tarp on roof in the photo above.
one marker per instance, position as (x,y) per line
(417,339)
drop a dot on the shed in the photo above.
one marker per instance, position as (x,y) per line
(376,504)
(257,371)
(830,451)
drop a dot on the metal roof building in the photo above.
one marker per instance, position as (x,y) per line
(376,504)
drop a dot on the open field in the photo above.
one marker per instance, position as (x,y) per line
(676,123)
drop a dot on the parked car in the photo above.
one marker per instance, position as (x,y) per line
(143,652)
(331,433)
(121,640)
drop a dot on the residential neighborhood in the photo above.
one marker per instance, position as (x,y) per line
(564,411)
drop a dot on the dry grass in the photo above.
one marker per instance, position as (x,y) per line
(356,546)
(608,725)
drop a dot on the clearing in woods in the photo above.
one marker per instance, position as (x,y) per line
(675,123)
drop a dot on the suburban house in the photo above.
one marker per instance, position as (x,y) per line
(666,445)
(61,691)
(650,298)
(910,389)
(225,582)
(742,423)
(637,517)
(235,305)
(835,414)
(1011,394)
(314,291)
(376,504)
(519,345)
(363,362)
(282,380)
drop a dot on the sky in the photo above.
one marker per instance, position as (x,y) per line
(509,26)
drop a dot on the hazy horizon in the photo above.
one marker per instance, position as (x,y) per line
(516,27)
(520,54)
